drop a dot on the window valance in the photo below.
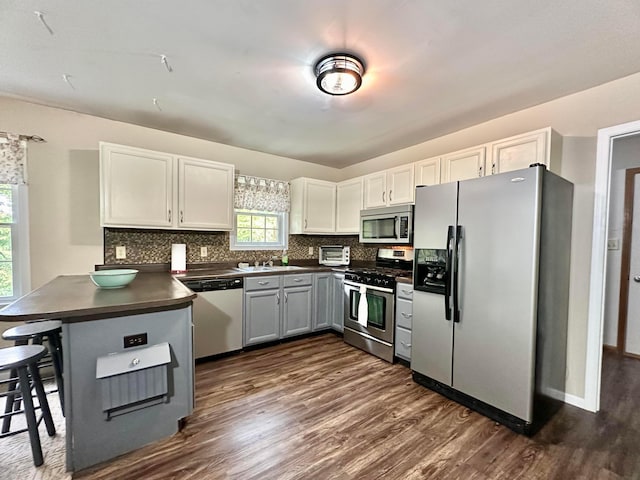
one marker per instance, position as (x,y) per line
(264,194)
(13,155)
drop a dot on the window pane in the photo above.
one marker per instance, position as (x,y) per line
(6,204)
(257,235)
(244,235)
(272,236)
(272,222)
(6,279)
(244,221)
(5,244)
(258,221)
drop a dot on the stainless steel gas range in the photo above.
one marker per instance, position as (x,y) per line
(369,301)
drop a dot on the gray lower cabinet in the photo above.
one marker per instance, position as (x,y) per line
(404,319)
(322,299)
(262,309)
(276,307)
(297,311)
(337,302)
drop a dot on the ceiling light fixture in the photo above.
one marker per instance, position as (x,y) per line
(339,73)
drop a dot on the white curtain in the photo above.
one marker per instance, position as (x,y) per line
(264,194)
(13,155)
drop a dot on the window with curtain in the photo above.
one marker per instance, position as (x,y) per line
(14,239)
(261,207)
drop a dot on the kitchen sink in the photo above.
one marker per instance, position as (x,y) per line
(269,269)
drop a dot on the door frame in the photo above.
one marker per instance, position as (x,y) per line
(595,321)
(625,270)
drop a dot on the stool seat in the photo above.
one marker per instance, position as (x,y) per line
(14,357)
(30,330)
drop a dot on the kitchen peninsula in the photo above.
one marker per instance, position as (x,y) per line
(128,360)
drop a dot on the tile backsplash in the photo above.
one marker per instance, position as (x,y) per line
(154,246)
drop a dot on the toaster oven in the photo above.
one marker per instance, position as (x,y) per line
(334,255)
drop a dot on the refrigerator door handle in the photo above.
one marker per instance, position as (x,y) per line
(456,276)
(447,274)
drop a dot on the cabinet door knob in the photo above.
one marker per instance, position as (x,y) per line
(298,280)
(407,292)
(406,345)
(305,223)
(263,283)
(169,215)
(286,297)
(407,315)
(480,171)
(636,279)
(277,299)
(383,193)
(493,168)
(390,198)
(181,216)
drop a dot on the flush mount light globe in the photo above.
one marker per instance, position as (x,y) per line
(339,73)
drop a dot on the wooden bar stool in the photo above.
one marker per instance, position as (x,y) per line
(23,360)
(36,332)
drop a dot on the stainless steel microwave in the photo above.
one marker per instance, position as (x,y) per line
(393,225)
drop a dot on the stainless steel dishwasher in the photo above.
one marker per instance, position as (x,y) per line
(217,315)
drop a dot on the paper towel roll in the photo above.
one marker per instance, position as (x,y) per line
(178,257)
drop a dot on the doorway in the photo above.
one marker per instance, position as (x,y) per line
(607,138)
(622,301)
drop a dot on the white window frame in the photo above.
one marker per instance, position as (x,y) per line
(21,267)
(283,232)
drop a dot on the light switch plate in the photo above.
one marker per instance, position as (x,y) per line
(310,250)
(121,252)
(203,251)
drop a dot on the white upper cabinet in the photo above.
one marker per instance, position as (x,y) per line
(394,186)
(400,184)
(201,186)
(136,187)
(313,206)
(348,205)
(146,189)
(464,164)
(427,172)
(375,190)
(513,153)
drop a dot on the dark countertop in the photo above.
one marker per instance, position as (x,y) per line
(73,298)
(195,273)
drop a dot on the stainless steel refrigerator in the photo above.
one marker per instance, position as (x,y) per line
(491,293)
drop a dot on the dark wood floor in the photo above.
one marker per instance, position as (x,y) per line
(319,409)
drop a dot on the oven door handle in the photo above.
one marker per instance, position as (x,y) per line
(369,287)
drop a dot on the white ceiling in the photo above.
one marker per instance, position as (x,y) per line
(243,69)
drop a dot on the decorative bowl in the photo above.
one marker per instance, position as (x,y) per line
(116,278)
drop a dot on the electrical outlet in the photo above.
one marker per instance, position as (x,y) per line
(121,252)
(613,244)
(310,251)
(203,251)
(135,340)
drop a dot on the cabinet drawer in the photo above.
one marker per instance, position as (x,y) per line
(404,290)
(403,343)
(404,313)
(261,283)
(298,280)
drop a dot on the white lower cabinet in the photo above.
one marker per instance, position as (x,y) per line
(404,319)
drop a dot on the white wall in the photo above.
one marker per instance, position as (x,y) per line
(66,237)
(626,154)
